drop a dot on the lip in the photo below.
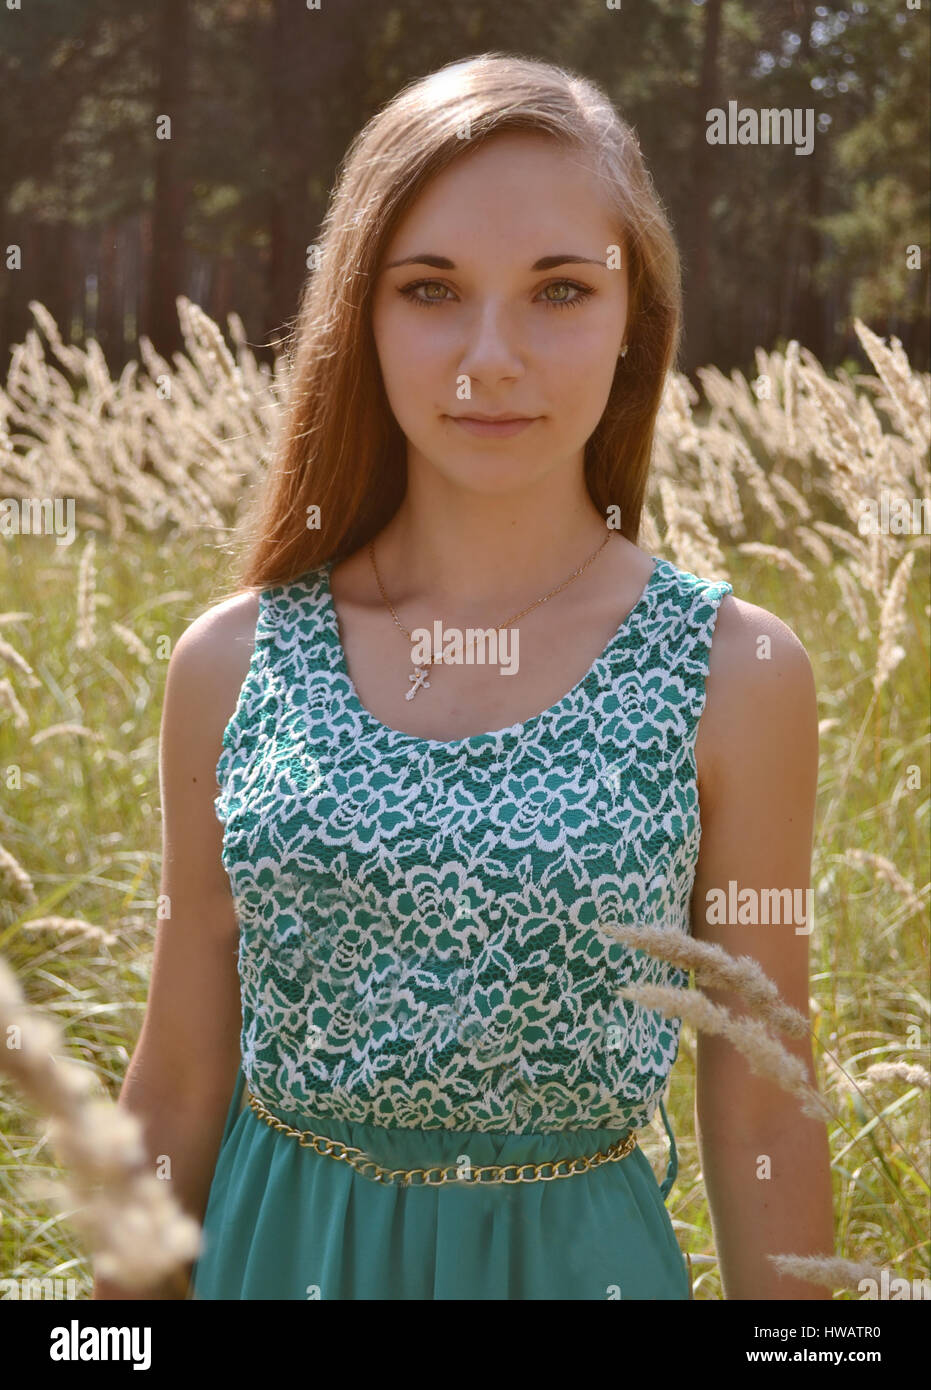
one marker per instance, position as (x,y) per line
(493,426)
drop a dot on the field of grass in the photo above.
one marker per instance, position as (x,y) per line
(761,482)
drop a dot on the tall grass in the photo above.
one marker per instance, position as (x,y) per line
(758,481)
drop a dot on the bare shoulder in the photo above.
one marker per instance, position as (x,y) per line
(760,694)
(222,633)
(208,666)
(206,671)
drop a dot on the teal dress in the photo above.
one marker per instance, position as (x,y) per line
(424,978)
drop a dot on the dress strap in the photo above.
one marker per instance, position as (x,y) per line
(672,1168)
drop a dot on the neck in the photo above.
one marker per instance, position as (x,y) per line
(476,550)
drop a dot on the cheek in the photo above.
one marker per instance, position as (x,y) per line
(579,361)
(387,332)
(409,352)
(580,339)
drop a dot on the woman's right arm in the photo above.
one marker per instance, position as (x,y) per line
(181,1076)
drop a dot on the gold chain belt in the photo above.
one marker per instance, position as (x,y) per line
(360,1161)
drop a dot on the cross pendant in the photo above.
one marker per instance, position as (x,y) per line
(420,679)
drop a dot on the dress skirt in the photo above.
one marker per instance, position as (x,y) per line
(284,1222)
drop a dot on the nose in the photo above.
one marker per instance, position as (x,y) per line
(493,347)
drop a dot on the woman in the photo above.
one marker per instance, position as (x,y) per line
(416,853)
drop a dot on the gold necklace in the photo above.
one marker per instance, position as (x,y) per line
(419,678)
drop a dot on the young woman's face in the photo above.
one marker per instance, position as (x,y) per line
(488,332)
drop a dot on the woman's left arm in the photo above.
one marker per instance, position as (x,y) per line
(766,1165)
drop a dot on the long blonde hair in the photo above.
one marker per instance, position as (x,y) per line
(340,448)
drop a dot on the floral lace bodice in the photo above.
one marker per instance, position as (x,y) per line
(419,920)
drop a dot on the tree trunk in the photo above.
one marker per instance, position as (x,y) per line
(810,309)
(700,339)
(166,266)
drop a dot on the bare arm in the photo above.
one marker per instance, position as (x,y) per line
(180,1079)
(758,762)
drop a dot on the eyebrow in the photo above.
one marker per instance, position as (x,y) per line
(544,263)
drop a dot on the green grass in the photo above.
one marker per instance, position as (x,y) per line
(80,813)
(85,825)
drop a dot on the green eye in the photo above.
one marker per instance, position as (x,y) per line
(582,293)
(410,293)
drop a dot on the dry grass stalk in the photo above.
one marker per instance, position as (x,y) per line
(909,1072)
(781,557)
(13,875)
(54,730)
(817,545)
(138,1233)
(828,1270)
(854,546)
(885,869)
(15,659)
(854,603)
(87,584)
(765,1055)
(790,392)
(741,460)
(790,494)
(845,1081)
(694,546)
(908,399)
(891,619)
(74,926)
(835,428)
(9,702)
(133,643)
(715,966)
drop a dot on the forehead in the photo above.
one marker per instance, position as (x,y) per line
(520,188)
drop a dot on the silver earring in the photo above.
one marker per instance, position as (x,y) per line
(623,351)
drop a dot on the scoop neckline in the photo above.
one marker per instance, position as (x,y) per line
(517,730)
